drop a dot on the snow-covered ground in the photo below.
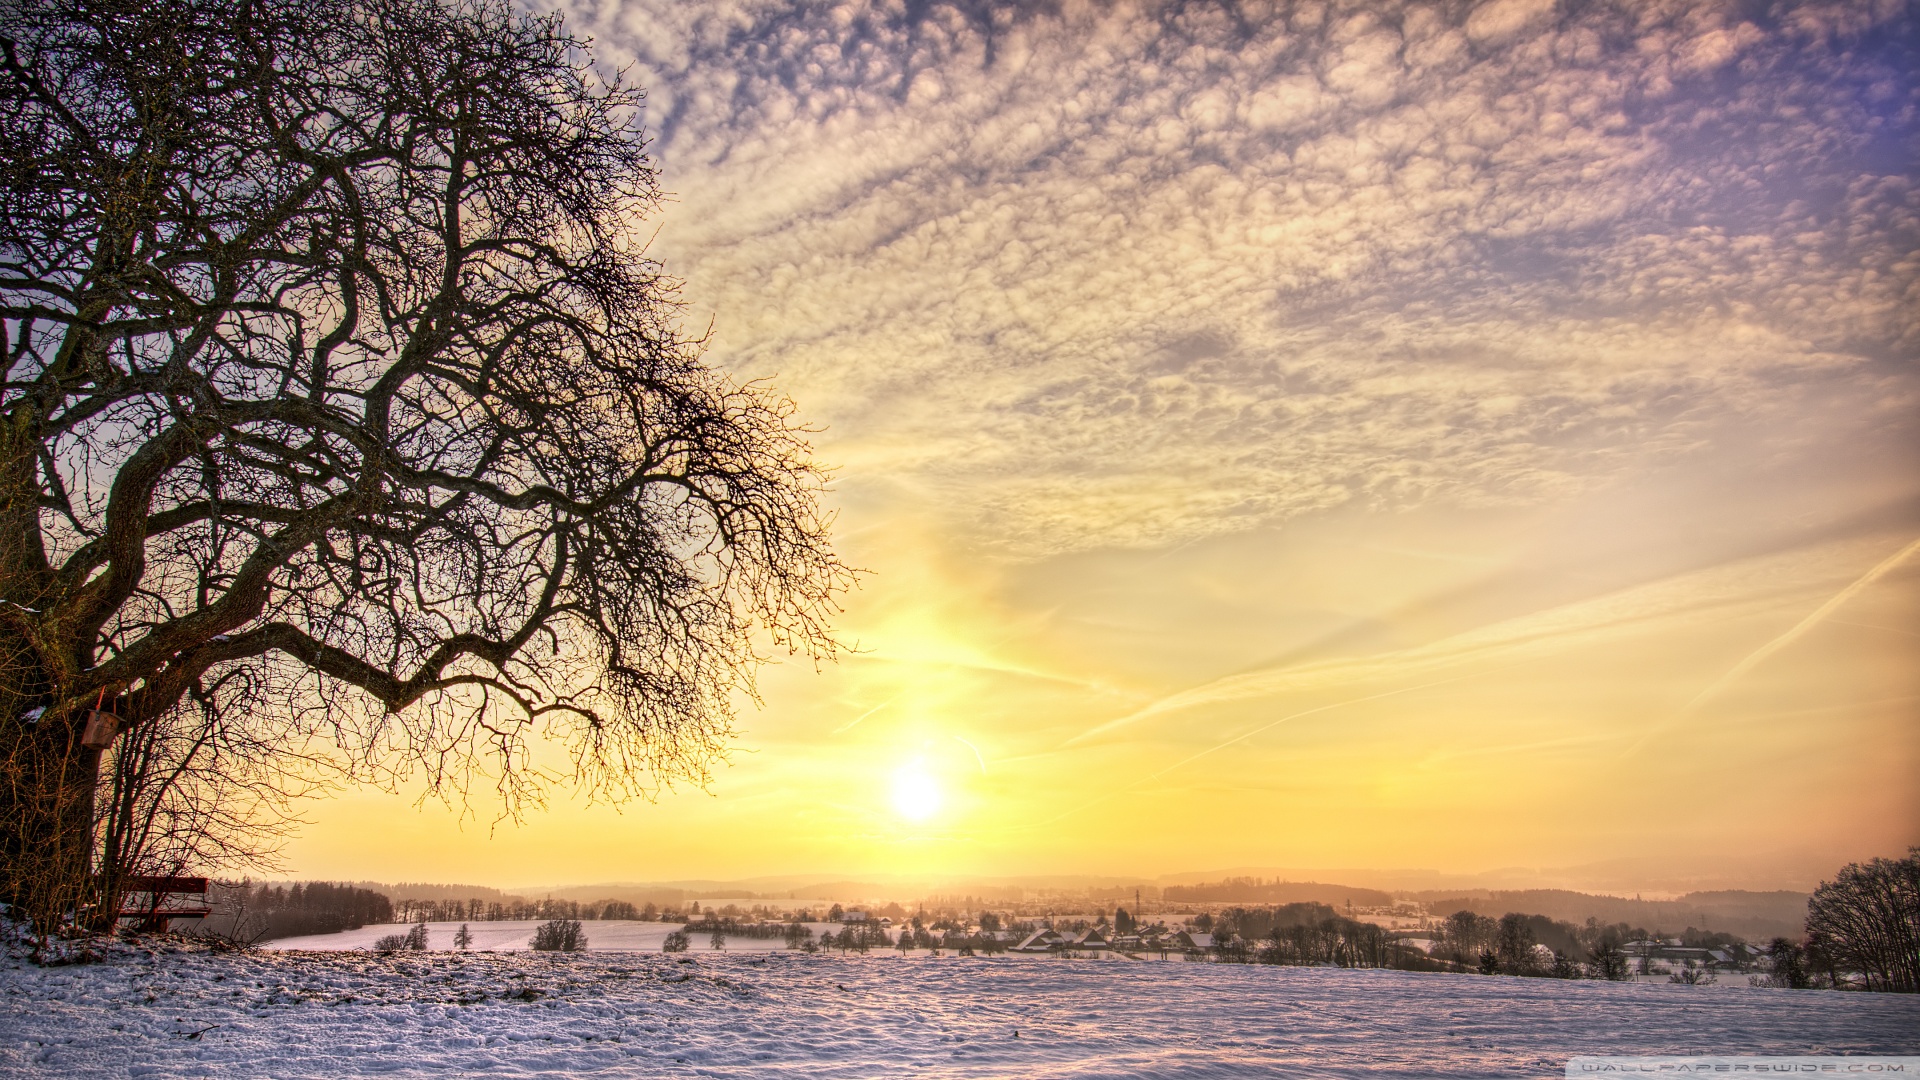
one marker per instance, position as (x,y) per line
(160,1013)
(506,936)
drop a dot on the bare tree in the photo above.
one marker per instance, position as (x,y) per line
(1867,920)
(559,935)
(1465,934)
(332,357)
(1513,943)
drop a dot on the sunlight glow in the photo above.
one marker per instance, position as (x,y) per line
(916,795)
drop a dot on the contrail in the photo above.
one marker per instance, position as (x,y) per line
(976,753)
(1556,629)
(1754,658)
(1295,716)
(1801,627)
(1242,737)
(851,724)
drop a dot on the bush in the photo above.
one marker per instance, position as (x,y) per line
(414,940)
(559,935)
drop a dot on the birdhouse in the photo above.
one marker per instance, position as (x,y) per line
(100,730)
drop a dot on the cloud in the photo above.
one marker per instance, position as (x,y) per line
(1503,20)
(1494,255)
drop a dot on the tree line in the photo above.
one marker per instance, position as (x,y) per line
(478,910)
(315,907)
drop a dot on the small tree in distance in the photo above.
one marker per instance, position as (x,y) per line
(1606,960)
(1788,962)
(463,939)
(1513,943)
(717,939)
(559,935)
(676,942)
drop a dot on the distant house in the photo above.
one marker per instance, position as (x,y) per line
(1192,941)
(853,916)
(1093,940)
(1041,941)
(1652,956)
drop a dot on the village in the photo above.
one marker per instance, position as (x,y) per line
(1399,936)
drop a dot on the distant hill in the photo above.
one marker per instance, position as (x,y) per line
(1248,890)
(1755,916)
(419,890)
(682,892)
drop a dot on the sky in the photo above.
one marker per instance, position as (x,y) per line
(1451,437)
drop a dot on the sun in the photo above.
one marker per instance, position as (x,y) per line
(916,795)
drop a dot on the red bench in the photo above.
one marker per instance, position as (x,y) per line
(154,915)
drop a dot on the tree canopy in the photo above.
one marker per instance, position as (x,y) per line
(340,389)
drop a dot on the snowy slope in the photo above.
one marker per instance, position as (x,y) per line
(609,1014)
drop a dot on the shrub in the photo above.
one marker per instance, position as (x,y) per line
(559,935)
(391,943)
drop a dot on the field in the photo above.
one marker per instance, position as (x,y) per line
(514,934)
(167,1013)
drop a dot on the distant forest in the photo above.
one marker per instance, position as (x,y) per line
(265,912)
(1755,916)
(1247,890)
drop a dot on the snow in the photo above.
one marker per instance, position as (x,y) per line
(167,1012)
(510,935)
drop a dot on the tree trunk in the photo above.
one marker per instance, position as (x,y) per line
(47,782)
(47,778)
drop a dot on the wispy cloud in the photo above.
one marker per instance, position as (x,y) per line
(1696,597)
(1754,659)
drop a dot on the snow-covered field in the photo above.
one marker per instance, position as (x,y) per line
(618,935)
(161,1013)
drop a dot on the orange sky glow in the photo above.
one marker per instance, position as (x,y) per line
(1295,436)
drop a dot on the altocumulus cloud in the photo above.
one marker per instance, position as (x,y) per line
(1087,274)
